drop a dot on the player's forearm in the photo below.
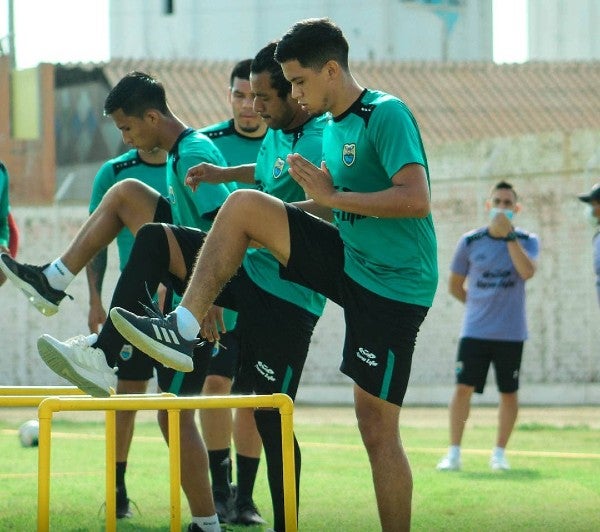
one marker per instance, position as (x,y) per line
(523,264)
(314,208)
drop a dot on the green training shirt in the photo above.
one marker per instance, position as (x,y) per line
(193,209)
(235,147)
(4,207)
(363,149)
(127,165)
(272,177)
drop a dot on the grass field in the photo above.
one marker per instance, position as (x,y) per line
(553,484)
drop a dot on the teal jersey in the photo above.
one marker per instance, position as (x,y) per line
(127,165)
(236,148)
(363,149)
(4,207)
(193,209)
(272,177)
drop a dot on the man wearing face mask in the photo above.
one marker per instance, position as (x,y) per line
(592,198)
(488,274)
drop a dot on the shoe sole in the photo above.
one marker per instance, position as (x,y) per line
(153,348)
(46,307)
(58,363)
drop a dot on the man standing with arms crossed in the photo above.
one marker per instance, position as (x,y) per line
(495,261)
(379,260)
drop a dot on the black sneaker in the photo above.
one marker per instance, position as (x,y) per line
(33,283)
(123,506)
(246,513)
(223,506)
(157,336)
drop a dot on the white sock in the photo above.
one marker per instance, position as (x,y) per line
(454,452)
(498,451)
(58,275)
(186,323)
(208,524)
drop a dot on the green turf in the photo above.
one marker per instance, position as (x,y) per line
(553,484)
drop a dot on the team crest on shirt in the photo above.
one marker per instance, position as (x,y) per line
(278,167)
(349,154)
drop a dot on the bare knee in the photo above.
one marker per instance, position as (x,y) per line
(216,385)
(378,423)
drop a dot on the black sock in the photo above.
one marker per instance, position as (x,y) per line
(220,470)
(148,265)
(268,423)
(246,475)
(120,478)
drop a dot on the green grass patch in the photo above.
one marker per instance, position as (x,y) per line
(553,483)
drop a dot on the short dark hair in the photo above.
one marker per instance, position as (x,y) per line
(313,42)
(240,70)
(504,185)
(264,61)
(135,93)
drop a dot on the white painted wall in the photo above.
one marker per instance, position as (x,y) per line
(231,29)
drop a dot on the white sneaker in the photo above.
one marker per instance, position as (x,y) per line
(499,463)
(79,363)
(448,464)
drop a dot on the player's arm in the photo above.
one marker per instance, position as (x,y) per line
(95,271)
(312,207)
(408,197)
(456,286)
(524,264)
(210,173)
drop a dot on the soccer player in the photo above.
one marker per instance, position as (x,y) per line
(137,368)
(378,261)
(9,234)
(138,107)
(239,140)
(494,262)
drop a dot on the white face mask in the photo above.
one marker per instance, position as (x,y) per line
(495,210)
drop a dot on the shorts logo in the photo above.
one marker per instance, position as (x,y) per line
(265,371)
(349,154)
(459,367)
(278,167)
(367,357)
(126,352)
(516,374)
(216,349)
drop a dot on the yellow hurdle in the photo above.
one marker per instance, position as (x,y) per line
(173,405)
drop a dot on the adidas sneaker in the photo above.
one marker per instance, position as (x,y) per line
(33,283)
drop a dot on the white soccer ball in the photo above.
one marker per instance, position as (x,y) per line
(29,433)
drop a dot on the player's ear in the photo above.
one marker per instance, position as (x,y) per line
(517,208)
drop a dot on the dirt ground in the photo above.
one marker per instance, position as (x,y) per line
(411,416)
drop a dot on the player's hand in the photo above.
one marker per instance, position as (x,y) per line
(213,324)
(316,182)
(203,173)
(96,317)
(500,225)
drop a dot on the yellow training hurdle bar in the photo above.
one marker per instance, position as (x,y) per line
(32,396)
(173,405)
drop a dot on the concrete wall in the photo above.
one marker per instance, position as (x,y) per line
(561,363)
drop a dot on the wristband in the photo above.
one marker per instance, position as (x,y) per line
(510,237)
